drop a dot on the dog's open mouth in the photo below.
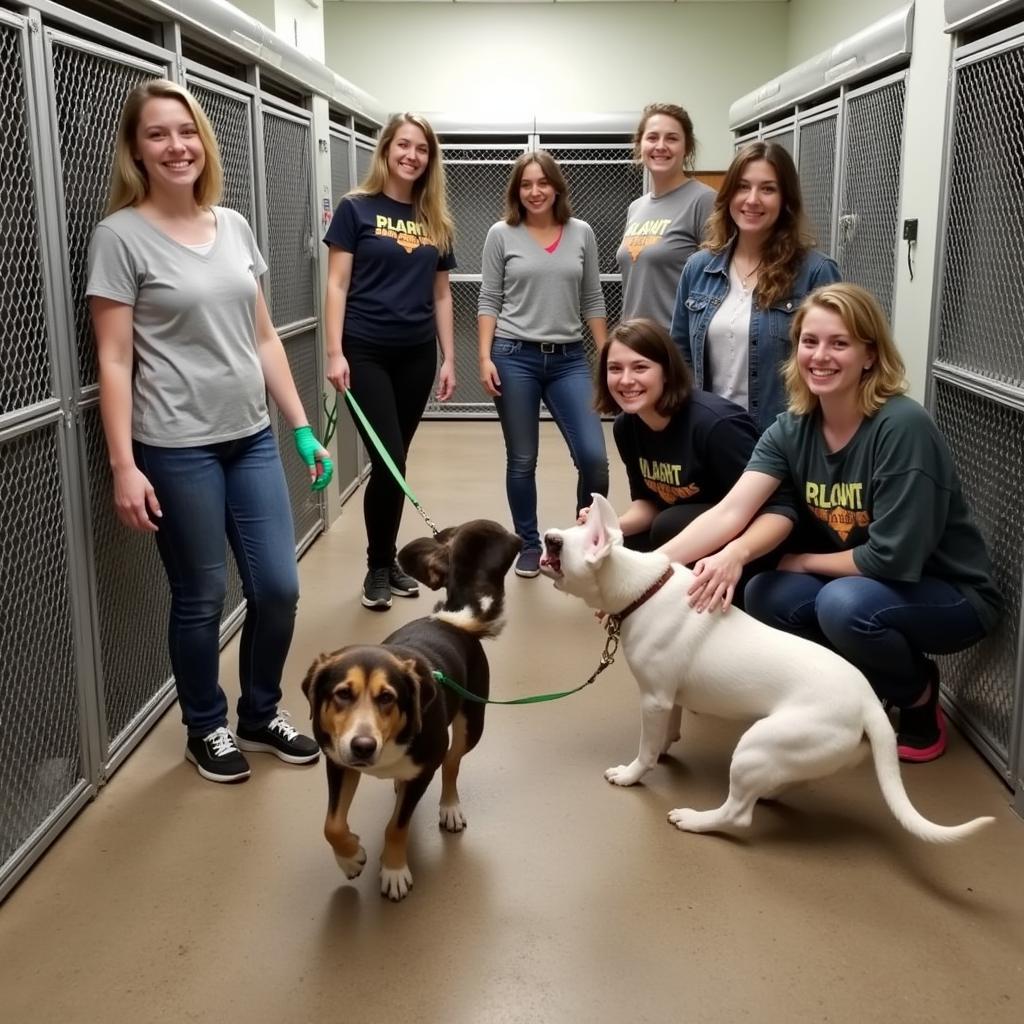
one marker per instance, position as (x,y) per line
(550,563)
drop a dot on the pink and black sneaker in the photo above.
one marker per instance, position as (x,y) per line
(921,735)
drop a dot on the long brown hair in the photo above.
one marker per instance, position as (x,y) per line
(790,239)
(429,192)
(129,183)
(514,212)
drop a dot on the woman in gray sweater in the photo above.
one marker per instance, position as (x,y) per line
(540,281)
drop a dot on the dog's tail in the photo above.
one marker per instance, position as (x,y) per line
(887,768)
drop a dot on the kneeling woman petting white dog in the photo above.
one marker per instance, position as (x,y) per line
(683,449)
(884,563)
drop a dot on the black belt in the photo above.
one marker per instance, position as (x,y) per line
(551,347)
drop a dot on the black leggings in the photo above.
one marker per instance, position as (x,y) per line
(392,384)
(671,521)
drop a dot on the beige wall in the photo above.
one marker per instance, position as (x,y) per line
(499,59)
(816,25)
(293,20)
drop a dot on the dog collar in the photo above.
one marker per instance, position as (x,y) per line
(647,594)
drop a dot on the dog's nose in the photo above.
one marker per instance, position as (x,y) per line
(363,747)
(553,542)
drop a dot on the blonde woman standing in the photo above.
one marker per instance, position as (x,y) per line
(187,352)
(388,307)
(665,227)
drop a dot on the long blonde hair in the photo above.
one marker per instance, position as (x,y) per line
(790,239)
(129,183)
(429,193)
(862,316)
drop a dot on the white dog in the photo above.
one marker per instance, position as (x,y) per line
(812,707)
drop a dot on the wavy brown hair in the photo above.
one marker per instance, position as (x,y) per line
(648,339)
(677,113)
(863,318)
(515,213)
(790,239)
(429,192)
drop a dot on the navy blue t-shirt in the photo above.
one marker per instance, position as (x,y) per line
(391,293)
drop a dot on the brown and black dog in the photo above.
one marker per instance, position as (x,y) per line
(377,709)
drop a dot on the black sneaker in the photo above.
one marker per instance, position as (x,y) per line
(377,589)
(921,735)
(402,583)
(281,738)
(217,756)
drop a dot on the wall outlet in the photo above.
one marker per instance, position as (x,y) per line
(910,230)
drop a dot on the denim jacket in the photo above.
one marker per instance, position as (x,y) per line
(703,286)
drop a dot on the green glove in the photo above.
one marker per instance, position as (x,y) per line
(308,448)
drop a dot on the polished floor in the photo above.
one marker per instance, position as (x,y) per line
(171,899)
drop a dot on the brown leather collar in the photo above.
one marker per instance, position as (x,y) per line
(647,594)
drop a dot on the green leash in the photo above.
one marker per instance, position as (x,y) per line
(611,625)
(332,423)
(611,645)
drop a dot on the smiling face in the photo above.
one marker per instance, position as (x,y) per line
(168,145)
(830,359)
(634,381)
(408,153)
(663,145)
(536,193)
(757,202)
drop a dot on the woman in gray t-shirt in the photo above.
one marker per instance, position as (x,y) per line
(541,280)
(186,352)
(664,228)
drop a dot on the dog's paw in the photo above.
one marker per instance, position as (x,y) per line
(395,883)
(352,866)
(688,820)
(624,774)
(451,818)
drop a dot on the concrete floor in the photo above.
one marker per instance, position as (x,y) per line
(174,899)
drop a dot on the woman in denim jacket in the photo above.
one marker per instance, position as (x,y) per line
(737,296)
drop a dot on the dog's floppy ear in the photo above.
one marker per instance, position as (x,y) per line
(602,530)
(424,689)
(308,684)
(427,560)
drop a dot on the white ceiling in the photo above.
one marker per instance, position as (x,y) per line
(558,1)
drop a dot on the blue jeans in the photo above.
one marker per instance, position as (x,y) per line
(882,627)
(563,380)
(238,487)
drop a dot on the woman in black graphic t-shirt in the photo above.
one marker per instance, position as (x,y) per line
(388,306)
(682,449)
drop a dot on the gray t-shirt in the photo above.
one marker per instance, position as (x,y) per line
(197,376)
(538,295)
(661,234)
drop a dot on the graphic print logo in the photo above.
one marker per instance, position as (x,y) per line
(409,234)
(840,506)
(641,234)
